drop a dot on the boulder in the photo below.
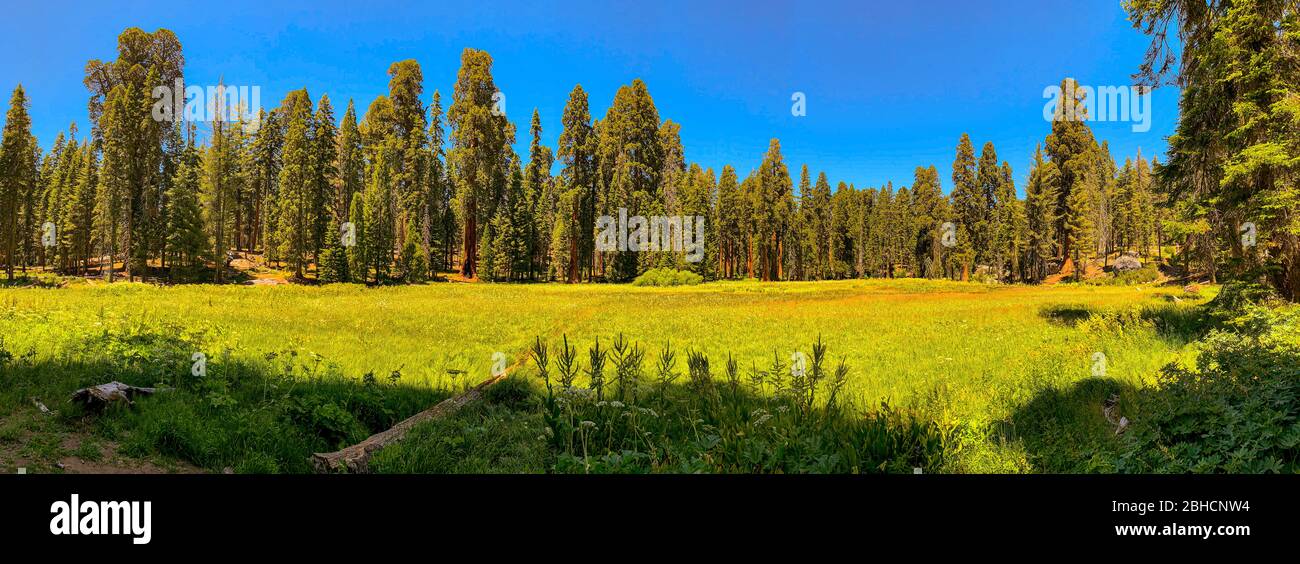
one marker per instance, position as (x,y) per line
(1127,263)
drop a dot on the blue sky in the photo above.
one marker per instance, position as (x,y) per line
(889,85)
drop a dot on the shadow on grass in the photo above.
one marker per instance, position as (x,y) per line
(1065,430)
(30,281)
(1068,315)
(265,417)
(704,426)
(1181,323)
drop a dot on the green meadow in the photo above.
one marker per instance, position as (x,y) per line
(969,358)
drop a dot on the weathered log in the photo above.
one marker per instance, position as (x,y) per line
(104,394)
(356,458)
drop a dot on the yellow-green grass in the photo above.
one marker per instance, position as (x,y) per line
(972,351)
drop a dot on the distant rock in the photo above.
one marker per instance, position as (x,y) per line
(1127,263)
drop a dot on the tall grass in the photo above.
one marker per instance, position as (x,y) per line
(966,358)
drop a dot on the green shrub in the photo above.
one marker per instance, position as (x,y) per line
(655,417)
(1236,297)
(1236,410)
(667,277)
(1148,274)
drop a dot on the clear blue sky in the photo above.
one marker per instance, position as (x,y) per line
(889,85)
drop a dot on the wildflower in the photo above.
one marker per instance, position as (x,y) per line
(588,424)
(616,404)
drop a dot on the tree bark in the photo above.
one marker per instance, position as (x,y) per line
(356,458)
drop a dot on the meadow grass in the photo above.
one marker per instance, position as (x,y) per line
(973,358)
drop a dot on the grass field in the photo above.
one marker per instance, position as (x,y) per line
(970,357)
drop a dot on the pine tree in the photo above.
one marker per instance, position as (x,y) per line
(325,173)
(187,241)
(1004,226)
(969,203)
(415,263)
(773,206)
(295,206)
(110,203)
(333,265)
(1079,226)
(631,161)
(577,153)
(1072,148)
(441,206)
(537,179)
(219,187)
(351,163)
(16,175)
(730,224)
(1040,216)
(989,177)
(358,257)
(139,142)
(80,214)
(929,211)
(263,167)
(380,216)
(478,138)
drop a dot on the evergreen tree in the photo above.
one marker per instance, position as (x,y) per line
(79,226)
(187,242)
(929,212)
(630,159)
(537,179)
(1072,148)
(296,203)
(111,198)
(774,204)
(333,265)
(970,206)
(16,175)
(351,163)
(358,257)
(324,173)
(478,138)
(730,224)
(137,141)
(1040,216)
(379,217)
(442,209)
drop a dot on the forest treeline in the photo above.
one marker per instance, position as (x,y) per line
(427,191)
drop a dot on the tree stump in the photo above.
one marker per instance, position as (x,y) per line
(99,397)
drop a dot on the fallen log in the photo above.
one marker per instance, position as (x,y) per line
(356,458)
(98,397)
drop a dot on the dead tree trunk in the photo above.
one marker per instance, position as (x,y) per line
(356,458)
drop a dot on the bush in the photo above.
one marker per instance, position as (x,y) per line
(1236,410)
(667,277)
(1236,297)
(1148,274)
